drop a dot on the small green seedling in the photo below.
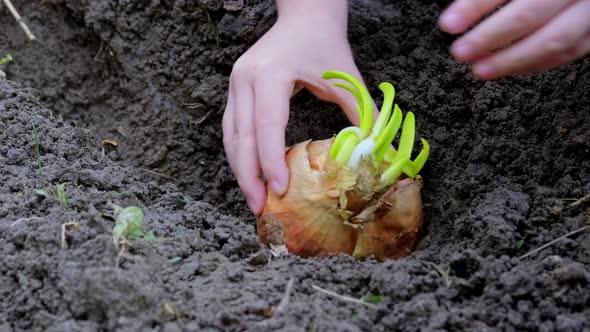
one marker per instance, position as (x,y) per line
(6,59)
(128,225)
(375,299)
(60,192)
(175,260)
(56,191)
(213,27)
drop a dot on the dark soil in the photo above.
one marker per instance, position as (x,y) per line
(508,159)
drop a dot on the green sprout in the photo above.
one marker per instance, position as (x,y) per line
(56,191)
(175,260)
(38,156)
(60,192)
(375,299)
(6,59)
(128,225)
(373,141)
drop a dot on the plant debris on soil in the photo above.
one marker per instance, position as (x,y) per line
(509,167)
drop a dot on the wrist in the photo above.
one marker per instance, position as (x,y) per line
(326,12)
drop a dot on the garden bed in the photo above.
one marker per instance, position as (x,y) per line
(509,164)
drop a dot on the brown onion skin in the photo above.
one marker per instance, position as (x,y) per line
(331,210)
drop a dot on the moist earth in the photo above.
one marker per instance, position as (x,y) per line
(508,173)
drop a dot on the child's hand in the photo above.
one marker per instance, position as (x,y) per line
(524,36)
(309,38)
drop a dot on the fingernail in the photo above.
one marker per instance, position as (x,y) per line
(462,51)
(277,187)
(253,206)
(451,21)
(483,70)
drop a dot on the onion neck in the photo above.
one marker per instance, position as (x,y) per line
(373,141)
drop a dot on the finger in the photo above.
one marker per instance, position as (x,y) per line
(227,129)
(247,167)
(578,51)
(271,115)
(462,14)
(325,90)
(347,101)
(558,42)
(514,21)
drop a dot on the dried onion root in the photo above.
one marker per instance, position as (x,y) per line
(353,194)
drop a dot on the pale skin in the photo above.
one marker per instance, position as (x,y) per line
(310,37)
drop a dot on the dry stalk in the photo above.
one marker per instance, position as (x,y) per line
(19,19)
(24,219)
(580,201)
(165,176)
(64,226)
(121,253)
(343,297)
(286,297)
(547,245)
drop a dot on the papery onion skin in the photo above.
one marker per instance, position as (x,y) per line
(391,226)
(331,210)
(306,219)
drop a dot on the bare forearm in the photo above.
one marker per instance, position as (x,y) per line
(335,10)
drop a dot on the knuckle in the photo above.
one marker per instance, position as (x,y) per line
(580,50)
(227,140)
(245,137)
(263,121)
(246,182)
(269,167)
(241,69)
(556,46)
(245,67)
(227,130)
(225,123)
(264,64)
(242,181)
(526,18)
(570,54)
(478,6)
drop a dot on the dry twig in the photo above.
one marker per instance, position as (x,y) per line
(121,253)
(64,244)
(203,118)
(149,171)
(19,19)
(286,297)
(24,219)
(547,245)
(343,297)
(580,201)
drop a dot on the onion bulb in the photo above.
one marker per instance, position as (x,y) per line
(354,193)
